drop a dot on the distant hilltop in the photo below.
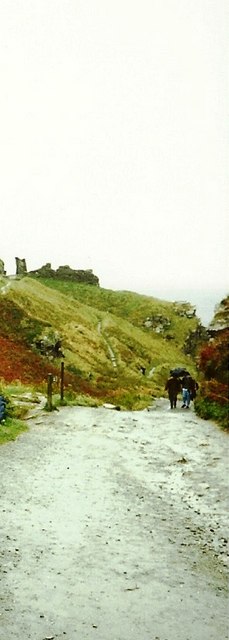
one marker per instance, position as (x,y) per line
(62,273)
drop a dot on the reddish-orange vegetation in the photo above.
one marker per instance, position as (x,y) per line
(18,362)
(213,363)
(213,359)
(215,391)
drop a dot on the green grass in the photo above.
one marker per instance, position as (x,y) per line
(18,389)
(131,306)
(10,429)
(209,410)
(90,321)
(77,400)
(122,317)
(75,311)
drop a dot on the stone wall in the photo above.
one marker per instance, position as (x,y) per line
(66,273)
(21,268)
(2,268)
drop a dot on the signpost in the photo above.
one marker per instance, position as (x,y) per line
(52,379)
(62,382)
(49,392)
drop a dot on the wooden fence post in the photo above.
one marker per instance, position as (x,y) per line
(49,392)
(62,382)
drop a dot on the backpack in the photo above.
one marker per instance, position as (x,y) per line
(2,408)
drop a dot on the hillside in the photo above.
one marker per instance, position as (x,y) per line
(106,338)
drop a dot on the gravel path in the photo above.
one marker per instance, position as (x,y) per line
(114,527)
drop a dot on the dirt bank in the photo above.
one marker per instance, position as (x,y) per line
(114,527)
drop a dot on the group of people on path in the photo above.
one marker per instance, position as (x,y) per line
(185,385)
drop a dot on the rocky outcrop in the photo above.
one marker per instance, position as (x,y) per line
(157,323)
(21,268)
(220,321)
(49,348)
(217,331)
(184,309)
(195,339)
(65,273)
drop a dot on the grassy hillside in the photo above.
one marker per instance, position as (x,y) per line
(106,337)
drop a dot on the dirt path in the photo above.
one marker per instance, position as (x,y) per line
(114,527)
(109,349)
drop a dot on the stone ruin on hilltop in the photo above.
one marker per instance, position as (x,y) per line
(21,268)
(2,268)
(65,273)
(62,273)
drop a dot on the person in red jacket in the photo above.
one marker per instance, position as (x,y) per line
(173,386)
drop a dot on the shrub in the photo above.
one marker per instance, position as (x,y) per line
(213,358)
(212,401)
(211,410)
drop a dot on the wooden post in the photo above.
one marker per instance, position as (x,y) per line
(49,392)
(62,382)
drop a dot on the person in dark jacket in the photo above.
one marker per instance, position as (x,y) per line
(193,388)
(173,386)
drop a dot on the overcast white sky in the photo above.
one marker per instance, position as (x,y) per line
(114,139)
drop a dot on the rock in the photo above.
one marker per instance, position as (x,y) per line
(220,322)
(107,405)
(184,309)
(157,322)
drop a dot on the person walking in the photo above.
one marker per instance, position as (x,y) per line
(185,383)
(189,388)
(193,388)
(173,386)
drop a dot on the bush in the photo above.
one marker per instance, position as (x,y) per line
(212,401)
(210,410)
(213,358)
